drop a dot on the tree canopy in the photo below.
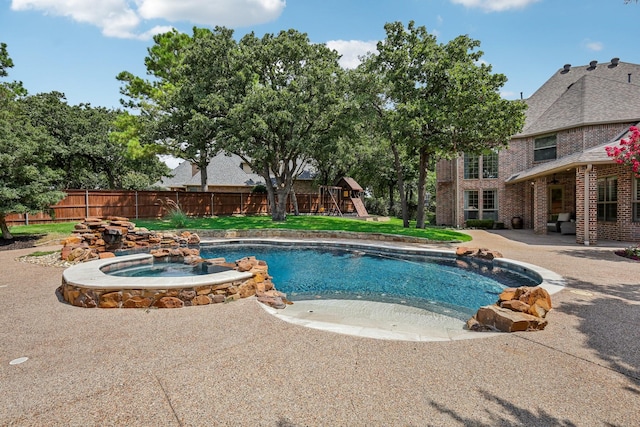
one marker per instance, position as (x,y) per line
(27,182)
(94,146)
(185,103)
(437,100)
(292,98)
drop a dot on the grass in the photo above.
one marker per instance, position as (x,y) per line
(42,253)
(44,232)
(58,228)
(305,222)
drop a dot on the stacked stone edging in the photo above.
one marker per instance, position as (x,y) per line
(97,238)
(259,285)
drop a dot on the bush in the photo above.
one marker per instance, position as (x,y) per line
(175,215)
(376,206)
(480,223)
(259,189)
(177,218)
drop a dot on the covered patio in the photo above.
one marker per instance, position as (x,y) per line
(584,193)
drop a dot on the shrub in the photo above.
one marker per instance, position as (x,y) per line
(259,189)
(175,215)
(480,223)
(376,206)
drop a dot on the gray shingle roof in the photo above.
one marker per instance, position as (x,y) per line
(585,95)
(223,170)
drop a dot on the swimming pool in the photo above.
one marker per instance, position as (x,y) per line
(439,283)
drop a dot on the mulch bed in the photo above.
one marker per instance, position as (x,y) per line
(19,242)
(626,254)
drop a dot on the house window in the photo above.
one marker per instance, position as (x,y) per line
(490,165)
(544,148)
(636,200)
(471,166)
(470,204)
(608,198)
(490,204)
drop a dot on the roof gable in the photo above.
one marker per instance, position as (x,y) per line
(585,95)
(223,170)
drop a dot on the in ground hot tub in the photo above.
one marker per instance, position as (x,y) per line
(98,283)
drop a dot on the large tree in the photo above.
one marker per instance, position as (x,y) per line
(291,98)
(93,145)
(440,99)
(27,182)
(186,102)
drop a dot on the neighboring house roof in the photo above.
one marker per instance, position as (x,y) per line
(223,170)
(590,94)
(595,155)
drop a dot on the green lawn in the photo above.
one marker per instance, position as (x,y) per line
(330,223)
(306,222)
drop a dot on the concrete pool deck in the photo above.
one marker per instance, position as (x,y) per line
(235,364)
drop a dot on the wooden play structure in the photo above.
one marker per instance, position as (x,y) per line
(343,198)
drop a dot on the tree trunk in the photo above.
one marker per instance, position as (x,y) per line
(280,211)
(271,196)
(403,195)
(294,200)
(391,187)
(203,176)
(422,181)
(6,234)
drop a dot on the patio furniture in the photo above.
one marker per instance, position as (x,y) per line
(568,227)
(556,226)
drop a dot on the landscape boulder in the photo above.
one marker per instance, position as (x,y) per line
(517,309)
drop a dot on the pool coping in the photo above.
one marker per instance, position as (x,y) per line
(90,275)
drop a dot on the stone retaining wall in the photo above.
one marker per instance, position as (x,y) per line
(311,234)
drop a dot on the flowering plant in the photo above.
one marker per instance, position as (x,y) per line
(628,152)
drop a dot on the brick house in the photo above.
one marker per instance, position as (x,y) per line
(558,163)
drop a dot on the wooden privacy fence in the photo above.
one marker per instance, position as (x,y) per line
(79,204)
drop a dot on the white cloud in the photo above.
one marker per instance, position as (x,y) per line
(495,5)
(507,94)
(230,13)
(351,50)
(122,18)
(594,46)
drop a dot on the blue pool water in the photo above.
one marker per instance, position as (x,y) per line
(166,269)
(435,284)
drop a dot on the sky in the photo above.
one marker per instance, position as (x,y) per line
(77,47)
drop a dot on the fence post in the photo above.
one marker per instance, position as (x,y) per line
(136,204)
(241,204)
(86,202)
(211,213)
(26,218)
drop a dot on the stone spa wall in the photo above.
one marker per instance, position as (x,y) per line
(98,238)
(258,284)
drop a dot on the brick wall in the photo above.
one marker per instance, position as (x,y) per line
(520,199)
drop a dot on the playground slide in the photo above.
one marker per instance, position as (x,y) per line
(359,205)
